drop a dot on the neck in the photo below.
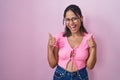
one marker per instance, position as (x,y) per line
(76,34)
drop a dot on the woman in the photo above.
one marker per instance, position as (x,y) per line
(73,50)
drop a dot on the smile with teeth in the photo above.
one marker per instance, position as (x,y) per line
(73,27)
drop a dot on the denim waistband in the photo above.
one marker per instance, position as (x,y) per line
(75,73)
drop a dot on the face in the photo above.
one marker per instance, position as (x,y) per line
(72,21)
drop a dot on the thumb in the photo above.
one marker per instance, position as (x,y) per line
(50,36)
(92,37)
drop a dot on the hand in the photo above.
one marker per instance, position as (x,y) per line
(91,42)
(51,41)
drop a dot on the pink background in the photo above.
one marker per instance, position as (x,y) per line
(24,28)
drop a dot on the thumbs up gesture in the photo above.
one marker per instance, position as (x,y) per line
(51,41)
(91,42)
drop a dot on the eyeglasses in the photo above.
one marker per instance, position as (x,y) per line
(74,19)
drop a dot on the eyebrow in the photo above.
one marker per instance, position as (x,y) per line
(72,17)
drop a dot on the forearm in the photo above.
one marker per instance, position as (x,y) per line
(92,58)
(51,57)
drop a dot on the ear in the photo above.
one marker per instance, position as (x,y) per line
(81,18)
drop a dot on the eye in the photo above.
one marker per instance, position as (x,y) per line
(74,18)
(67,19)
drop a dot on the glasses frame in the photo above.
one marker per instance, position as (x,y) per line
(73,19)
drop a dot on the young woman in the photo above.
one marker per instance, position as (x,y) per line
(73,50)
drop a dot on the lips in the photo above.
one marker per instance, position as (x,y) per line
(73,28)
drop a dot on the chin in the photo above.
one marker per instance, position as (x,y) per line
(75,31)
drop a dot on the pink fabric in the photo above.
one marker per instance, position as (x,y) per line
(80,52)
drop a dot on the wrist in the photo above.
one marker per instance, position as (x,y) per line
(94,46)
(50,47)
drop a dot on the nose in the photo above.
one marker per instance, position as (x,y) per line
(71,22)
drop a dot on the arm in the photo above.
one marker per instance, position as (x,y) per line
(92,53)
(52,56)
(92,58)
(52,52)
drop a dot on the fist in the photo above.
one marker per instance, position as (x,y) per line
(51,41)
(91,42)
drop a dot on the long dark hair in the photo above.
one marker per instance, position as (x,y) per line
(77,12)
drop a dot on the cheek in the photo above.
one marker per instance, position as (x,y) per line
(78,25)
(68,26)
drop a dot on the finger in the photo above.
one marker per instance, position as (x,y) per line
(50,36)
(92,38)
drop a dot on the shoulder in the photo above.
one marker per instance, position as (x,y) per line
(88,35)
(59,35)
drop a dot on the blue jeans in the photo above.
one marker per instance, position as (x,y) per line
(62,74)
